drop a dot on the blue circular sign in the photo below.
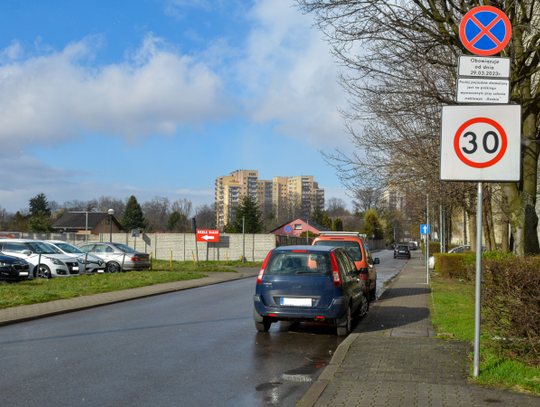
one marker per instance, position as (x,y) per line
(287,229)
(485,30)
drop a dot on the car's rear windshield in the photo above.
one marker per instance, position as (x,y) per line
(403,247)
(124,248)
(299,263)
(68,248)
(352,247)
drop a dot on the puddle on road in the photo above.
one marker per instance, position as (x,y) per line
(268,386)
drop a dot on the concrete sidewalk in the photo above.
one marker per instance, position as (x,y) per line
(34,311)
(393,359)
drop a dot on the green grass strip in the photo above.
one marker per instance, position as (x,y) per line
(452,310)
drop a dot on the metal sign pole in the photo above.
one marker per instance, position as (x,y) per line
(478,280)
(427,240)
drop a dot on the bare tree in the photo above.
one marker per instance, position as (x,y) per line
(336,207)
(405,71)
(205,216)
(366,198)
(183,207)
(156,213)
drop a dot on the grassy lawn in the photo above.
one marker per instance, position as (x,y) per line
(452,309)
(36,291)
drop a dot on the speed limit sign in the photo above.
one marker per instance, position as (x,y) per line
(481,143)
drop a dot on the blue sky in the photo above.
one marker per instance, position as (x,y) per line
(160,97)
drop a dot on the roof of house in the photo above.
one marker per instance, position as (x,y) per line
(77,221)
(312,223)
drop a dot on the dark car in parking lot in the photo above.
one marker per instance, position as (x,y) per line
(13,269)
(402,250)
(309,284)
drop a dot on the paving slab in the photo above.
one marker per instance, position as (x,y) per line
(393,359)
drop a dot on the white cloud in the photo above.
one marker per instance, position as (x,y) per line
(51,98)
(290,76)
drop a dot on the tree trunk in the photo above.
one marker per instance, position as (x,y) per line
(464,226)
(472,230)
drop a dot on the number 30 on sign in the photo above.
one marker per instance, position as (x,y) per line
(481,143)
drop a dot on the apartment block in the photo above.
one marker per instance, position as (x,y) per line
(285,196)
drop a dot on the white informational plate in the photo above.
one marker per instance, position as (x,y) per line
(485,67)
(296,302)
(481,143)
(483,90)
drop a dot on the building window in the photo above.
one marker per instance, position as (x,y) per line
(297,226)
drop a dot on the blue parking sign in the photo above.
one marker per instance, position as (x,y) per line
(425,229)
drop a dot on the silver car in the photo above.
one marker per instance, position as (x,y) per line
(118,256)
(90,264)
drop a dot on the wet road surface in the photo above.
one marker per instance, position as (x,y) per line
(192,348)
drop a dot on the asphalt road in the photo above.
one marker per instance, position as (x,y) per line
(192,348)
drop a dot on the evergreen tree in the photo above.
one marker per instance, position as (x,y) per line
(318,216)
(338,224)
(177,221)
(249,210)
(372,225)
(39,204)
(133,215)
(40,224)
(19,223)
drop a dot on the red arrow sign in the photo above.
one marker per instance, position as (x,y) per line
(207,235)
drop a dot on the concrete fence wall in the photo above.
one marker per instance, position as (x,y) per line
(182,245)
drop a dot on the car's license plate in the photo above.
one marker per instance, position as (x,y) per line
(144,258)
(23,273)
(296,302)
(75,268)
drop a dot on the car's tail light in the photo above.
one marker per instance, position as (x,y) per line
(261,273)
(134,259)
(335,271)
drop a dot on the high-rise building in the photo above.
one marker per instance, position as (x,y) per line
(284,196)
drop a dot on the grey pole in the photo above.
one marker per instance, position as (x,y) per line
(478,285)
(243,239)
(307,233)
(441,228)
(427,239)
(86,235)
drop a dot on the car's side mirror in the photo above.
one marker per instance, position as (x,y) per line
(376,260)
(27,252)
(363,270)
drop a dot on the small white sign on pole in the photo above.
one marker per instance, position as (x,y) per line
(491,67)
(481,90)
(481,143)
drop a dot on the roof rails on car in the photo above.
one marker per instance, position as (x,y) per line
(357,234)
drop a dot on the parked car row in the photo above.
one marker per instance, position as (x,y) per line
(23,259)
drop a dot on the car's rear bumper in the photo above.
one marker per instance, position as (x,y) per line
(329,315)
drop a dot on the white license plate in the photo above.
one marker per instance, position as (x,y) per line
(23,273)
(75,268)
(296,302)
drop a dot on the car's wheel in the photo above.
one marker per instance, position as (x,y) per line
(363,308)
(113,267)
(43,271)
(263,326)
(343,330)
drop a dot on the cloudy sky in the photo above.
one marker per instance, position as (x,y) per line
(160,97)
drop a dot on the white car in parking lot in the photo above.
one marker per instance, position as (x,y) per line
(37,252)
(90,264)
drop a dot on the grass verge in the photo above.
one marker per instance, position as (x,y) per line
(452,309)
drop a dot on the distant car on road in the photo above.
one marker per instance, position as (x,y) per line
(90,263)
(13,269)
(118,256)
(309,284)
(402,250)
(413,245)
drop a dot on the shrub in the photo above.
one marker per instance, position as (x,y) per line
(451,265)
(511,305)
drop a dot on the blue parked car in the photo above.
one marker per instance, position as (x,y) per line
(310,284)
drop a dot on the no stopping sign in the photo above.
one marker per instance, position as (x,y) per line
(481,143)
